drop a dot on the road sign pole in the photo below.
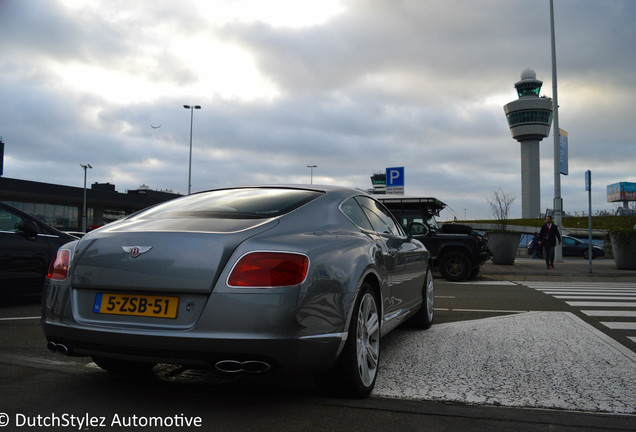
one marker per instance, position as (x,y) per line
(588,187)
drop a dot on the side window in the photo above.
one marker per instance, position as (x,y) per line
(9,221)
(352,210)
(407,220)
(568,242)
(379,216)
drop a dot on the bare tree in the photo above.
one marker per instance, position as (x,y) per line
(500,203)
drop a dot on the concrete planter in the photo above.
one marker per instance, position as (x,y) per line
(624,250)
(504,245)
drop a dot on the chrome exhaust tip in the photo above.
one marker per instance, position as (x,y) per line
(57,347)
(249,366)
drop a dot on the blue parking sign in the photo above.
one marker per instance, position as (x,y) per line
(395,177)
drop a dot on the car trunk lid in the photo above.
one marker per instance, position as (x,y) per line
(160,256)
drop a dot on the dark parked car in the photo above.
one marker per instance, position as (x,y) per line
(243,280)
(575,247)
(571,246)
(27,246)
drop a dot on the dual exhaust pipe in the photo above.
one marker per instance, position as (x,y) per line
(58,348)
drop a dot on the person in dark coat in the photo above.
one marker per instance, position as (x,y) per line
(548,237)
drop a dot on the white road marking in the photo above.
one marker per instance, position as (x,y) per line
(494,282)
(601,304)
(610,313)
(490,310)
(620,325)
(596,291)
(593,297)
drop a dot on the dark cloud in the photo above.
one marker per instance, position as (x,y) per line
(419,84)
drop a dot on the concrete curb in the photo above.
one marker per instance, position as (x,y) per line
(572,269)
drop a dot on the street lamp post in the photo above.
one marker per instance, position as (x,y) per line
(191,108)
(556,132)
(84,167)
(311,167)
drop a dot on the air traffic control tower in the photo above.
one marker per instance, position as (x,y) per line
(529,118)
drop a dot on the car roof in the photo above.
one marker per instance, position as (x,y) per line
(327,189)
(316,187)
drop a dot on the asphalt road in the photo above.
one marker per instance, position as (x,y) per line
(501,356)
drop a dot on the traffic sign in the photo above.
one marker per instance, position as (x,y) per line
(395,177)
(395,181)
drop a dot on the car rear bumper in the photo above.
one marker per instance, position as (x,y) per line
(312,354)
(298,333)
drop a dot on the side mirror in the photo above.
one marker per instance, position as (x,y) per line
(29,228)
(418,228)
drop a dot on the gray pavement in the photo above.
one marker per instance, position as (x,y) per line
(547,360)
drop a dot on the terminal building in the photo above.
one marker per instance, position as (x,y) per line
(61,206)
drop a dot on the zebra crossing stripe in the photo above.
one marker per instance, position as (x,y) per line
(610,313)
(584,289)
(573,285)
(601,304)
(620,325)
(592,297)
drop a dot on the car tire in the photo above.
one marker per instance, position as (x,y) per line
(122,366)
(357,368)
(423,318)
(455,266)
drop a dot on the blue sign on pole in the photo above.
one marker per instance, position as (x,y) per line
(395,177)
(563,152)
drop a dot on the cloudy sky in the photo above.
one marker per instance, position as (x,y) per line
(352,86)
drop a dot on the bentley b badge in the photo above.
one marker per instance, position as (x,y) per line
(135,251)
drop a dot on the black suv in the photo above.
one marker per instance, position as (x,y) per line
(456,249)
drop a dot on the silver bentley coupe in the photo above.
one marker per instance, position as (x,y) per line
(243,280)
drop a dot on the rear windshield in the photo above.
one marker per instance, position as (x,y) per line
(248,203)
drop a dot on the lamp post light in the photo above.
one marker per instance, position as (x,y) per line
(311,167)
(556,132)
(84,167)
(191,108)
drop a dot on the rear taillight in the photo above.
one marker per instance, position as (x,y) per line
(269,269)
(59,266)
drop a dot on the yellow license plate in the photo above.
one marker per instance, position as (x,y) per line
(136,305)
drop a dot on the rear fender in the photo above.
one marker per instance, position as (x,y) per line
(326,300)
